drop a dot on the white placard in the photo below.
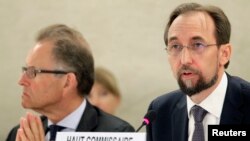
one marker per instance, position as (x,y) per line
(100,136)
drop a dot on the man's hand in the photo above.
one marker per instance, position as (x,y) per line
(31,129)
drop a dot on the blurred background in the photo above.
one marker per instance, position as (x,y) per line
(126,37)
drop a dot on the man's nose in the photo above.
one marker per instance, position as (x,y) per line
(23,80)
(186,56)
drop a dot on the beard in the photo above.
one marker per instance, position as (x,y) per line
(188,88)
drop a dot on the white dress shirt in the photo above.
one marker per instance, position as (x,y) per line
(71,121)
(213,104)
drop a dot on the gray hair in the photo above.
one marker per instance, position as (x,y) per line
(72,51)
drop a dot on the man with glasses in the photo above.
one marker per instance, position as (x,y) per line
(198,48)
(57,77)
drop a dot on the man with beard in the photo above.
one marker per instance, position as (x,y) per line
(197,39)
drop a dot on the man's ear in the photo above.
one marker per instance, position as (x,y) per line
(71,80)
(225,53)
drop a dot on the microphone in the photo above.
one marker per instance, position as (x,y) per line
(148,118)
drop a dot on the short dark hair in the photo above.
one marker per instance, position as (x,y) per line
(221,22)
(72,51)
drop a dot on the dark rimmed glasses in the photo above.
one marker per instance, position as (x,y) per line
(175,49)
(31,71)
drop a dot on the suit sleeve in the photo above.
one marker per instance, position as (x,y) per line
(12,134)
(149,127)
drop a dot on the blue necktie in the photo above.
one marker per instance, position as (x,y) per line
(53,130)
(198,113)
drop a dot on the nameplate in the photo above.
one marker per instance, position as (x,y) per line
(100,136)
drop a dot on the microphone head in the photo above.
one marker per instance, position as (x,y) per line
(149,117)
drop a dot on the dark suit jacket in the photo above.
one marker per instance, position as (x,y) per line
(93,120)
(171,123)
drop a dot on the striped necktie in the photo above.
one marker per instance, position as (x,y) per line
(198,113)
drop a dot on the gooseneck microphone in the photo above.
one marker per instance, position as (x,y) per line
(148,118)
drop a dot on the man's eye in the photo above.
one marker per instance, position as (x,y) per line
(175,46)
(198,45)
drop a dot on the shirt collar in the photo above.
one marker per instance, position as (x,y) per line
(214,102)
(71,121)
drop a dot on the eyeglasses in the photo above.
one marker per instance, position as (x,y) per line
(175,49)
(31,71)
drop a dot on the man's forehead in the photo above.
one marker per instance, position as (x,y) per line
(191,23)
(40,52)
(192,19)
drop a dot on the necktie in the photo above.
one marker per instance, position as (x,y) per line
(198,113)
(53,130)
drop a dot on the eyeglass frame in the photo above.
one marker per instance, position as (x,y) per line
(32,71)
(191,47)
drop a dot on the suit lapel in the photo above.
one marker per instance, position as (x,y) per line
(45,124)
(88,120)
(180,120)
(233,104)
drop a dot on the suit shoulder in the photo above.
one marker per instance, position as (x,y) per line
(12,134)
(171,97)
(240,84)
(114,123)
(240,81)
(168,99)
